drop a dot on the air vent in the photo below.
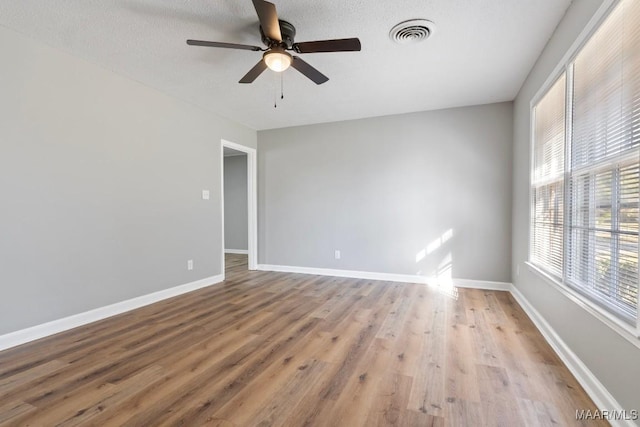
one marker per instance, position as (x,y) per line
(412,31)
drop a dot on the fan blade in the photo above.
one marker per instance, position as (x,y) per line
(306,69)
(254,72)
(220,44)
(338,45)
(268,19)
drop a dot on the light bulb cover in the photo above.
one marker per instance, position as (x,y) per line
(277,59)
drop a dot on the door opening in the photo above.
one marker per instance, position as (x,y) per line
(239,216)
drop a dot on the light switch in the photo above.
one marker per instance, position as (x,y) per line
(205,194)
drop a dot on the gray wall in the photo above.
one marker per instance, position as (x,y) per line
(609,356)
(235,202)
(383,189)
(100,184)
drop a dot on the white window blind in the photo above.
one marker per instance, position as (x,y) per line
(603,222)
(548,179)
(594,246)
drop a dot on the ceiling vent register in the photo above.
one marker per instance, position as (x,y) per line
(412,31)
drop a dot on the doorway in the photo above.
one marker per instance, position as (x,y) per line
(239,215)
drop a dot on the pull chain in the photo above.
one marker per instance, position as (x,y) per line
(281,85)
(275,99)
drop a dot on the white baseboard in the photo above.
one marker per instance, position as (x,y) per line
(388,277)
(594,388)
(22,336)
(237,251)
(482,284)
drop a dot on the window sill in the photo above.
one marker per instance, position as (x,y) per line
(627,331)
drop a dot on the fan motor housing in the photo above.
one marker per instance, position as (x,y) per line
(288,32)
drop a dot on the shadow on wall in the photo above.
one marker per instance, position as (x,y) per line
(435,262)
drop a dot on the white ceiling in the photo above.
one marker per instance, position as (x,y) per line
(481,52)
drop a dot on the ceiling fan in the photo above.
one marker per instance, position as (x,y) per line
(278,36)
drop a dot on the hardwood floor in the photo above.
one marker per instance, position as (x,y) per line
(284,349)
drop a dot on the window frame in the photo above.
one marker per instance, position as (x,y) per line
(631,332)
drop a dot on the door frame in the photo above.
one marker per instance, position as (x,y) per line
(252,200)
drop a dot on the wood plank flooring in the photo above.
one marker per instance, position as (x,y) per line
(265,348)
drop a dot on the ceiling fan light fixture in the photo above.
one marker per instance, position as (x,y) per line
(277,59)
(278,36)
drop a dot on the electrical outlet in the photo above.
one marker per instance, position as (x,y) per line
(337,254)
(205,194)
(190,264)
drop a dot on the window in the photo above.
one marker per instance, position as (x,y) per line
(585,170)
(548,180)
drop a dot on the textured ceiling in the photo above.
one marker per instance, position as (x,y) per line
(481,52)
